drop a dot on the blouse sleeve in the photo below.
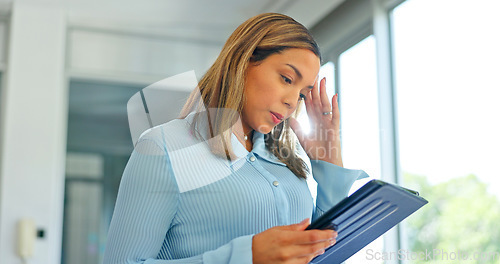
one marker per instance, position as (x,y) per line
(334,183)
(147,202)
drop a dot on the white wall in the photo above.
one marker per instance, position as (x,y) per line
(34,131)
(148,58)
(44,51)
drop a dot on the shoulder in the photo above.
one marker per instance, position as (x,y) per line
(167,134)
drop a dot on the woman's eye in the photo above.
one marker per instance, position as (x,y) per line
(302,97)
(286,79)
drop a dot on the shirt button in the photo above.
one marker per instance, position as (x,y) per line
(276,183)
(252,158)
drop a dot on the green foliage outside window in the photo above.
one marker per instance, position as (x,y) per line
(461,223)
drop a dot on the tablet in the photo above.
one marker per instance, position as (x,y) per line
(364,216)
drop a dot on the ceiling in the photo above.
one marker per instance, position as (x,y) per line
(205,19)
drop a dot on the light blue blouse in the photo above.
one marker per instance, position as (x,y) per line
(179,203)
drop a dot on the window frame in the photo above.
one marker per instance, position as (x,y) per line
(347,25)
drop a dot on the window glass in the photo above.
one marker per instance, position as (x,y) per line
(359,121)
(447,61)
(359,108)
(98,147)
(83,214)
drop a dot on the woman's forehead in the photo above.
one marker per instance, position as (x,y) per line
(304,63)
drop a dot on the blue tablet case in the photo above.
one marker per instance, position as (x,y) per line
(363,216)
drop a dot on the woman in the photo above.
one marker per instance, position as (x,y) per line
(225,183)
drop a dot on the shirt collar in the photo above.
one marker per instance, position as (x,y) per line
(259,148)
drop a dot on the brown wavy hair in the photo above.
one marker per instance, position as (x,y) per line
(222,86)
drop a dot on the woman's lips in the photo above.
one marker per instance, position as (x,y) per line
(276,117)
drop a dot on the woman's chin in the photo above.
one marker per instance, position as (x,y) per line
(264,129)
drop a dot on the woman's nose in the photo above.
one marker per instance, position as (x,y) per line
(289,105)
(291,100)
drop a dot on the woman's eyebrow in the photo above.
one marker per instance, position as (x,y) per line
(299,75)
(296,70)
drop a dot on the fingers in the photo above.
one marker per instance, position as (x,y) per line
(315,98)
(290,244)
(335,109)
(312,249)
(325,103)
(317,102)
(309,250)
(296,227)
(306,236)
(311,112)
(312,236)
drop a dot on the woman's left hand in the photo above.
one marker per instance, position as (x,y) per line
(323,140)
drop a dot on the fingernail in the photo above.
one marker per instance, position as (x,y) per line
(304,221)
(320,252)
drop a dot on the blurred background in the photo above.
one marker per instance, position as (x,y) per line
(418,88)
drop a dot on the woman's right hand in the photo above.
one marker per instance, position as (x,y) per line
(290,244)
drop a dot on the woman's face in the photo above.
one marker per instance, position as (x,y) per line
(274,87)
